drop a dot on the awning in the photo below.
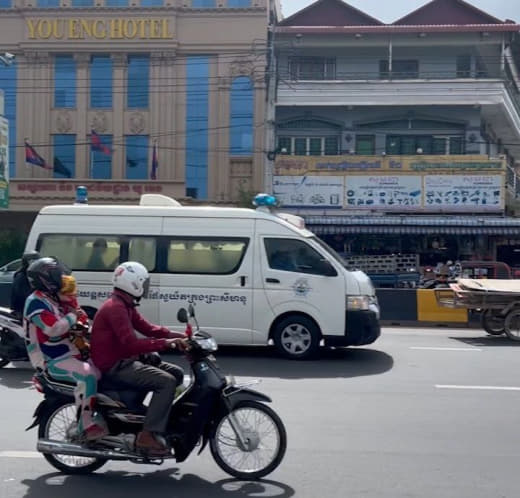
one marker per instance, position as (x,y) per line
(410,224)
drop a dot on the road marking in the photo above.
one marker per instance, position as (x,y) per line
(20,454)
(446,349)
(481,388)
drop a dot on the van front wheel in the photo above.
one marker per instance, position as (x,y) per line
(297,337)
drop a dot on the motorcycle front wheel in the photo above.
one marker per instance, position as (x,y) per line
(265,437)
(57,424)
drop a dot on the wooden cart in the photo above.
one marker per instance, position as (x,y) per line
(497,300)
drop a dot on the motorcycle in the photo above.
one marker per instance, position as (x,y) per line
(12,338)
(247,439)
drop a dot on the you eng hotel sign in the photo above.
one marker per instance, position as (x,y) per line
(99,29)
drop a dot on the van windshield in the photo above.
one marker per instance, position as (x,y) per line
(329,250)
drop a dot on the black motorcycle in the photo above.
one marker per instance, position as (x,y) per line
(247,438)
(12,338)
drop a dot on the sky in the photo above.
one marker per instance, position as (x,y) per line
(390,11)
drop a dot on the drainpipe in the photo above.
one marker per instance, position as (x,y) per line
(390,57)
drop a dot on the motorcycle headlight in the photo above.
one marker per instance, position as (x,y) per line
(207,344)
(358,303)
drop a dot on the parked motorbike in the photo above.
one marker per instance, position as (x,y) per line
(12,338)
(246,437)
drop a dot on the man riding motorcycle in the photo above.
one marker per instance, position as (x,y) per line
(50,312)
(115,350)
(21,289)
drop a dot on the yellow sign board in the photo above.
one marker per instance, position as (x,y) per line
(99,29)
(302,165)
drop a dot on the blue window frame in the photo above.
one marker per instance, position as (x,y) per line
(82,3)
(241,118)
(5,4)
(138,81)
(101,163)
(152,3)
(204,4)
(64,81)
(8,77)
(64,155)
(239,3)
(46,4)
(197,102)
(116,3)
(136,147)
(101,82)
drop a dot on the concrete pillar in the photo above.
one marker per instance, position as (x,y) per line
(214,176)
(82,124)
(119,68)
(180,128)
(222,163)
(257,182)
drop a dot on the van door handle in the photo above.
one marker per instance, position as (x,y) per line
(272,280)
(242,281)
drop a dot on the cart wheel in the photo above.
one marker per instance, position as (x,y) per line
(512,325)
(492,322)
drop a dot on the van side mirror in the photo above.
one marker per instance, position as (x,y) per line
(182,316)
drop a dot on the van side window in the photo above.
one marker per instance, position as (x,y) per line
(143,250)
(294,255)
(82,252)
(206,255)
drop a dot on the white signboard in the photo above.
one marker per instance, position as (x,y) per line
(463,193)
(389,193)
(309,191)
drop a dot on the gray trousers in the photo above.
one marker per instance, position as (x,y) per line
(162,380)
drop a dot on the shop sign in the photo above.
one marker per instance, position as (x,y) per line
(99,29)
(463,193)
(94,189)
(4,163)
(309,191)
(389,193)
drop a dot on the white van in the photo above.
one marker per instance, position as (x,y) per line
(255,276)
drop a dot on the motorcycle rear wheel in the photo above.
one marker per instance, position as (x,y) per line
(55,424)
(261,426)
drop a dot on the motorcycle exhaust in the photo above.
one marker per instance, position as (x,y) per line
(61,448)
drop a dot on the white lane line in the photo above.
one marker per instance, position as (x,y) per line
(446,349)
(479,388)
(20,454)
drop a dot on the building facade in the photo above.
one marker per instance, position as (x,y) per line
(184,79)
(391,138)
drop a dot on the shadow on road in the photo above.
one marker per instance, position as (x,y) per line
(488,341)
(160,484)
(15,378)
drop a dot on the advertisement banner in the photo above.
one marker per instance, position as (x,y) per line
(4,163)
(383,193)
(309,191)
(463,193)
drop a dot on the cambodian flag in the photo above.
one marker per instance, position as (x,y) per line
(32,157)
(95,144)
(155,163)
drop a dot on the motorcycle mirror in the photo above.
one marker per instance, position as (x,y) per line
(191,310)
(182,316)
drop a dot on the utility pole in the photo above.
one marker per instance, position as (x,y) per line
(270,139)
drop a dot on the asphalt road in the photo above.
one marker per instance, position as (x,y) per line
(421,413)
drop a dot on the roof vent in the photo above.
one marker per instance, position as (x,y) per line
(158,200)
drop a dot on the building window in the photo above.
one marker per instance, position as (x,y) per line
(312,68)
(101,163)
(116,3)
(151,3)
(401,69)
(365,145)
(64,81)
(101,82)
(82,3)
(197,104)
(241,117)
(309,146)
(239,3)
(136,147)
(204,4)
(410,145)
(47,4)
(64,156)
(5,4)
(138,81)
(464,66)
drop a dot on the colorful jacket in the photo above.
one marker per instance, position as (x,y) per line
(47,328)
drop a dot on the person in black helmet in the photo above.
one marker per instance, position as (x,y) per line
(21,289)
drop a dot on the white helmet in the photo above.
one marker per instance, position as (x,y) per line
(132,278)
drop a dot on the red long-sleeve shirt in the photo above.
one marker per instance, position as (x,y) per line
(113,338)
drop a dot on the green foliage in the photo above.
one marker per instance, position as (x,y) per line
(12,244)
(245,197)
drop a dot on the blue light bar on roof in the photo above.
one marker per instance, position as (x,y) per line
(264,200)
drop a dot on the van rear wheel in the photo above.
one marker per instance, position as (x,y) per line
(297,337)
